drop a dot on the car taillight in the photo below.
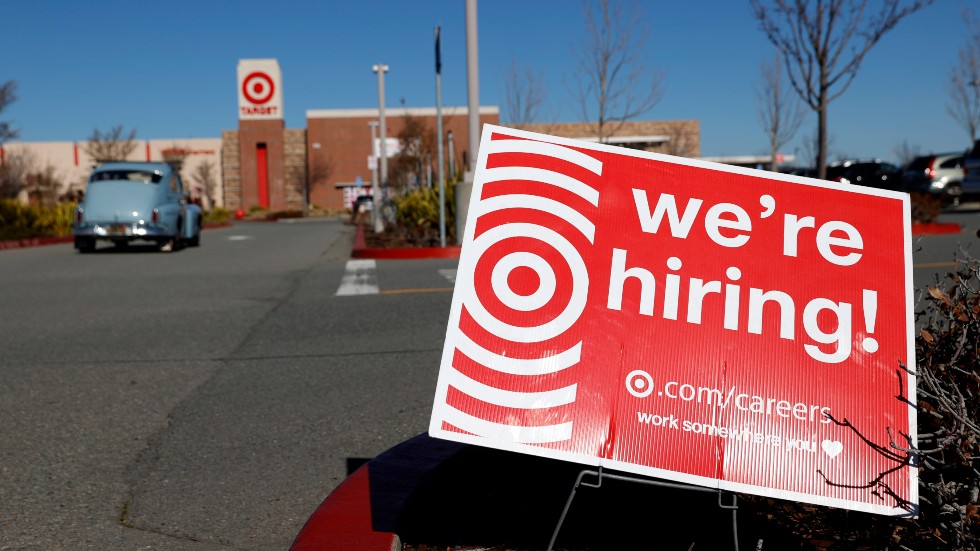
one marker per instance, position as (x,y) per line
(78,216)
(931,171)
(156,216)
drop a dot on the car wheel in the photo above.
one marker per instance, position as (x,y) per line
(196,240)
(85,244)
(954,195)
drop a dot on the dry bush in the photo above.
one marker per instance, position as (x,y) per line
(948,449)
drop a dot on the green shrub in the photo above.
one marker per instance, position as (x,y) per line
(418,215)
(59,218)
(216,216)
(19,221)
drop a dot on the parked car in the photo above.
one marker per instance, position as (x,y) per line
(971,172)
(937,174)
(807,171)
(136,201)
(363,203)
(870,173)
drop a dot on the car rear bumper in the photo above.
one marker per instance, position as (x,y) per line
(121,231)
(929,186)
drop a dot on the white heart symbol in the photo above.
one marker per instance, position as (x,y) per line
(832,448)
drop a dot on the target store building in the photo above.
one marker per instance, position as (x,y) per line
(263,164)
(266,165)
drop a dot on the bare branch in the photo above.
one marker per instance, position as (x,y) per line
(613,82)
(524,94)
(779,111)
(8,95)
(824,42)
(963,86)
(111,145)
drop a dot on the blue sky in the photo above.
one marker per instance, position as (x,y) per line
(168,69)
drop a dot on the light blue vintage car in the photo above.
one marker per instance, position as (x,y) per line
(135,201)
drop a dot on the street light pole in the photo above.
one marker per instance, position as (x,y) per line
(381,69)
(452,155)
(374,166)
(464,189)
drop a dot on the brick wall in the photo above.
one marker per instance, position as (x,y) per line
(295,167)
(341,141)
(231,170)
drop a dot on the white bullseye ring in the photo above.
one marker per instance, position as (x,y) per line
(501,286)
(258,88)
(561,323)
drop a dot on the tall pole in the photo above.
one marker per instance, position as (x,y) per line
(379,227)
(439,172)
(465,188)
(452,155)
(374,165)
(472,83)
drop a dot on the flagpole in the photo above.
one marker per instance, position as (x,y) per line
(442,180)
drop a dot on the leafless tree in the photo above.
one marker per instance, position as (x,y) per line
(104,147)
(779,108)
(963,85)
(612,82)
(44,186)
(823,43)
(15,172)
(524,95)
(175,155)
(204,175)
(8,95)
(681,140)
(905,152)
(418,148)
(318,173)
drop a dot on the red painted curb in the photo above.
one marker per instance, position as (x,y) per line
(33,242)
(343,521)
(361,250)
(935,228)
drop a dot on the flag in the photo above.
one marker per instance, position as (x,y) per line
(438,53)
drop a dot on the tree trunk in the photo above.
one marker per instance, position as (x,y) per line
(822,135)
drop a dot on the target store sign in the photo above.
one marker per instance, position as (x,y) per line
(684,320)
(259,89)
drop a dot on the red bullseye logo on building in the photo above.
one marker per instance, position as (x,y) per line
(528,287)
(258,88)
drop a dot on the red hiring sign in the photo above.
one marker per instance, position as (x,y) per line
(685,320)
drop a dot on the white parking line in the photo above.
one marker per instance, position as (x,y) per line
(449,274)
(360,278)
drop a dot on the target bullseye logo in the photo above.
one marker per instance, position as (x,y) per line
(258,88)
(639,383)
(526,283)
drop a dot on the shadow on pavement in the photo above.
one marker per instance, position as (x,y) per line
(433,492)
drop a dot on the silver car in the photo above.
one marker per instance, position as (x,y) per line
(135,201)
(940,175)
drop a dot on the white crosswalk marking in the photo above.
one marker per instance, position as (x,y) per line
(449,274)
(360,278)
